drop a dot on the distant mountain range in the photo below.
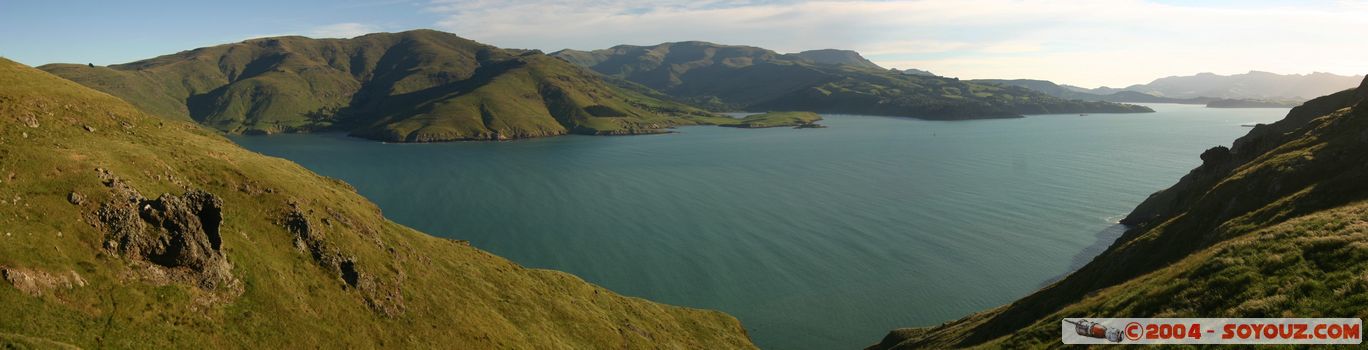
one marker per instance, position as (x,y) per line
(729,77)
(427,86)
(1253,89)
(1253,85)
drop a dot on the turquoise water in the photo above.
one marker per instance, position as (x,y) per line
(814,238)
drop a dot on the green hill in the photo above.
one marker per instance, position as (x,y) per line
(414,86)
(1274,226)
(123,230)
(723,77)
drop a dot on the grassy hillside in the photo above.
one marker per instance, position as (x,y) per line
(129,231)
(1274,226)
(414,86)
(723,77)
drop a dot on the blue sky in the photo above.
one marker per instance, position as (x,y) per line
(1088,43)
(106,32)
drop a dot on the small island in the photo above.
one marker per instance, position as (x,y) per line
(797,120)
(1252,103)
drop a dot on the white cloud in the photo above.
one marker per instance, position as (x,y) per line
(909,47)
(336,30)
(1113,42)
(341,30)
(1012,47)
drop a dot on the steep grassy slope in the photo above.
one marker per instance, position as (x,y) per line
(726,77)
(1275,226)
(129,231)
(416,86)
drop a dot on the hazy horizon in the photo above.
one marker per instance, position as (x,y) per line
(1107,43)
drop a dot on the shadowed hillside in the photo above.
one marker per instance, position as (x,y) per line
(123,230)
(833,56)
(1274,226)
(723,77)
(414,86)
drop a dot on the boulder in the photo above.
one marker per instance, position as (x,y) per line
(175,232)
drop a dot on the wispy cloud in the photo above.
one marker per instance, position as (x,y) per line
(335,30)
(1111,42)
(341,30)
(912,47)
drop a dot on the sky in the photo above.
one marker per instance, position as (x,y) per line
(1086,43)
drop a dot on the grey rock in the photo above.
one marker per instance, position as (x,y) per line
(179,232)
(382,296)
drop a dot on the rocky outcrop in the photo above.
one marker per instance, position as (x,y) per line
(177,233)
(383,297)
(1215,157)
(35,282)
(1263,138)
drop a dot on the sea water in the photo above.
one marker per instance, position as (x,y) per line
(813,238)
